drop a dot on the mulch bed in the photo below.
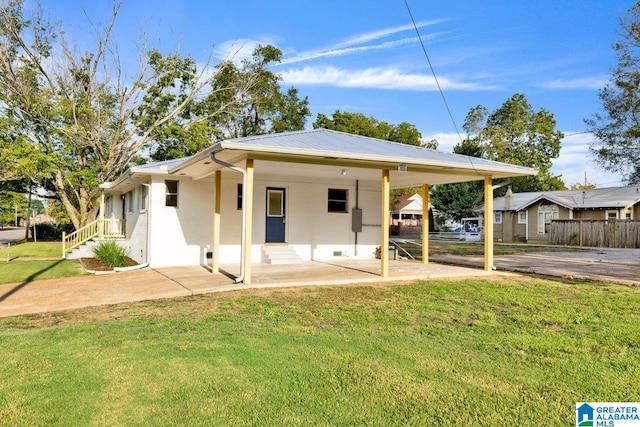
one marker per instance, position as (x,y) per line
(95,264)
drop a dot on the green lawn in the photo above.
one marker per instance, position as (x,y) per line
(32,250)
(35,260)
(20,271)
(450,353)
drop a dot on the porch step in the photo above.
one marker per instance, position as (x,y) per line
(281,254)
(85,250)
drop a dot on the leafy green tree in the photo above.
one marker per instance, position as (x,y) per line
(517,134)
(12,203)
(86,116)
(359,124)
(457,201)
(617,125)
(250,99)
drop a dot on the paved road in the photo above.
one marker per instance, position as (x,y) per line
(11,235)
(599,264)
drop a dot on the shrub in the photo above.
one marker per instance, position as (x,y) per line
(111,254)
(47,231)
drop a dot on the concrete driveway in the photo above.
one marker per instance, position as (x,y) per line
(599,264)
(606,265)
(41,296)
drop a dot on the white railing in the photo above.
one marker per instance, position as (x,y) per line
(108,228)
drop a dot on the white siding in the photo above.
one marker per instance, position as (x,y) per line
(182,236)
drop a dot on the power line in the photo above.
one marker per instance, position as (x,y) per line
(426,55)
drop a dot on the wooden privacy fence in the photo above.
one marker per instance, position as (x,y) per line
(596,232)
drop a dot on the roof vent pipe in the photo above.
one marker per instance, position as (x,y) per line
(244,212)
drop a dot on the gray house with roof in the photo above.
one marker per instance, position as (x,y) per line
(527,216)
(288,197)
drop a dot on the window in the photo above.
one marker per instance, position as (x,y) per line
(239,199)
(109,206)
(337,200)
(497,217)
(171,193)
(611,214)
(522,217)
(144,196)
(130,202)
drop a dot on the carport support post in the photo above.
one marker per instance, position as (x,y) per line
(248,206)
(384,232)
(215,241)
(425,223)
(488,223)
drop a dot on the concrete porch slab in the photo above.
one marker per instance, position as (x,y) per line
(88,291)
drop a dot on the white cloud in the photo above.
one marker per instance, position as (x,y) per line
(582,83)
(378,34)
(239,49)
(307,56)
(446,141)
(374,78)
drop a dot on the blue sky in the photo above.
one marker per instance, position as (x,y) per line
(363,56)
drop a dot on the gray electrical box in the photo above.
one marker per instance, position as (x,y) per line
(356,220)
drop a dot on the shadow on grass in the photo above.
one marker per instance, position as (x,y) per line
(28,280)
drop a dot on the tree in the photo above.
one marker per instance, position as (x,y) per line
(514,134)
(457,201)
(261,107)
(517,134)
(83,112)
(617,126)
(359,124)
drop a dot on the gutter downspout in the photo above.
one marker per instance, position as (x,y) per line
(146,264)
(244,212)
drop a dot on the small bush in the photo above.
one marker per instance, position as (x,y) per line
(111,254)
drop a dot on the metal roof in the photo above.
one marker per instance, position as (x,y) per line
(409,165)
(324,142)
(615,197)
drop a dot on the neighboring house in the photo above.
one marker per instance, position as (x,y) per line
(408,210)
(319,195)
(527,216)
(406,216)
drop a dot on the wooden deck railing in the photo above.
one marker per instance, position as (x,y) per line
(108,228)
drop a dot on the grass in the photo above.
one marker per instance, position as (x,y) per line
(475,248)
(35,260)
(21,271)
(450,353)
(32,250)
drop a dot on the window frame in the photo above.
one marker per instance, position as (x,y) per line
(497,217)
(171,198)
(334,204)
(144,198)
(129,199)
(522,217)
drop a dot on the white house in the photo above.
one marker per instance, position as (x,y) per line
(315,195)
